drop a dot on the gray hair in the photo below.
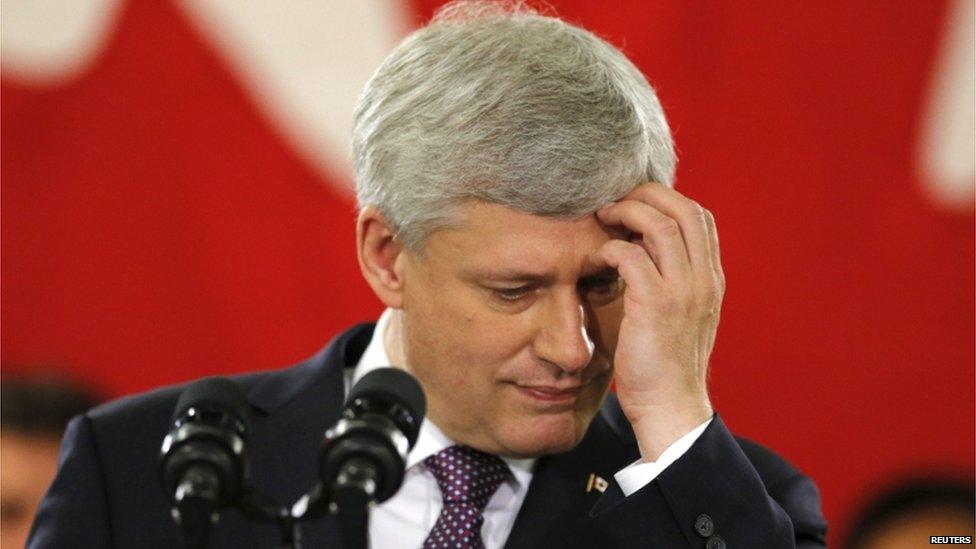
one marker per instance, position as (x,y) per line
(497,102)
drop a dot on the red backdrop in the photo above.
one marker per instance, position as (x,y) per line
(157,228)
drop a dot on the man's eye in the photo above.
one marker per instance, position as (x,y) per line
(512,294)
(602,287)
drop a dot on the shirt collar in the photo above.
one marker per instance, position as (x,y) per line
(375,355)
(431,439)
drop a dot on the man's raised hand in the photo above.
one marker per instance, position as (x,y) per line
(674,287)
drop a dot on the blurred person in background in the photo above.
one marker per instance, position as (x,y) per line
(909,513)
(34,410)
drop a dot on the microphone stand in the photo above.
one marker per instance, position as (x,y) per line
(195,510)
(261,508)
(355,489)
(349,503)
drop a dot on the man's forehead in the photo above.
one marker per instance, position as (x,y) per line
(485,220)
(494,241)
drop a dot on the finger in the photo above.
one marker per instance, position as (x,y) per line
(689,215)
(715,255)
(640,275)
(660,234)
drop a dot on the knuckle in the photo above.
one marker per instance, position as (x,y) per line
(719,293)
(667,226)
(634,252)
(711,296)
(698,212)
(616,247)
(638,193)
(709,220)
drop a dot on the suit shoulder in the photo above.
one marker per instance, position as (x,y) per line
(778,474)
(158,398)
(772,467)
(138,404)
(795,492)
(150,412)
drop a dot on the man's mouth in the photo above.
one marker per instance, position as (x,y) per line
(549,393)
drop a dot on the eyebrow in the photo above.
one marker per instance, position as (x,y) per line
(510,275)
(519,275)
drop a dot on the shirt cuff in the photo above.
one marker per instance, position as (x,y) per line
(638,474)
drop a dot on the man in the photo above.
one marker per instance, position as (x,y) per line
(34,411)
(910,512)
(517,218)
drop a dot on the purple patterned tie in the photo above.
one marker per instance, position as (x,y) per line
(467,479)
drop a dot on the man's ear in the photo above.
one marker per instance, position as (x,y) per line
(380,256)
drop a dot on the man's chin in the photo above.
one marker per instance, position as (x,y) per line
(544,436)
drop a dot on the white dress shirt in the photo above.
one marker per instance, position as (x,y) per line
(404,520)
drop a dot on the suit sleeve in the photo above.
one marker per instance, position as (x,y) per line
(713,497)
(74,512)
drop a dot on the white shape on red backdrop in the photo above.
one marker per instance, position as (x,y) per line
(302,63)
(47,42)
(305,63)
(947,137)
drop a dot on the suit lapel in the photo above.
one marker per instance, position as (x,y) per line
(293,409)
(565,488)
(555,496)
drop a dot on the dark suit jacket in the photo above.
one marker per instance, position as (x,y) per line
(107,492)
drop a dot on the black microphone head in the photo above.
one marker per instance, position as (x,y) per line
(209,434)
(393,386)
(215,393)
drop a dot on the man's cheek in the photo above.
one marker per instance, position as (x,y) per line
(487,335)
(460,381)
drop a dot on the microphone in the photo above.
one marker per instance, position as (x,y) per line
(367,449)
(203,459)
(364,454)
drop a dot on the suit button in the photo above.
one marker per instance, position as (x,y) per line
(704,526)
(715,542)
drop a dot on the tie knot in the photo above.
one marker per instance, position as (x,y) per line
(466,475)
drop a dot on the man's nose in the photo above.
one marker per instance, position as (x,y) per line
(562,339)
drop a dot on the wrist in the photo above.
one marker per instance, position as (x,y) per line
(657,429)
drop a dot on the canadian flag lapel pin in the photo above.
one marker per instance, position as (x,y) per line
(596,483)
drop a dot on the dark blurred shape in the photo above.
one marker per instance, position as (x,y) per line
(42,405)
(34,410)
(909,513)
